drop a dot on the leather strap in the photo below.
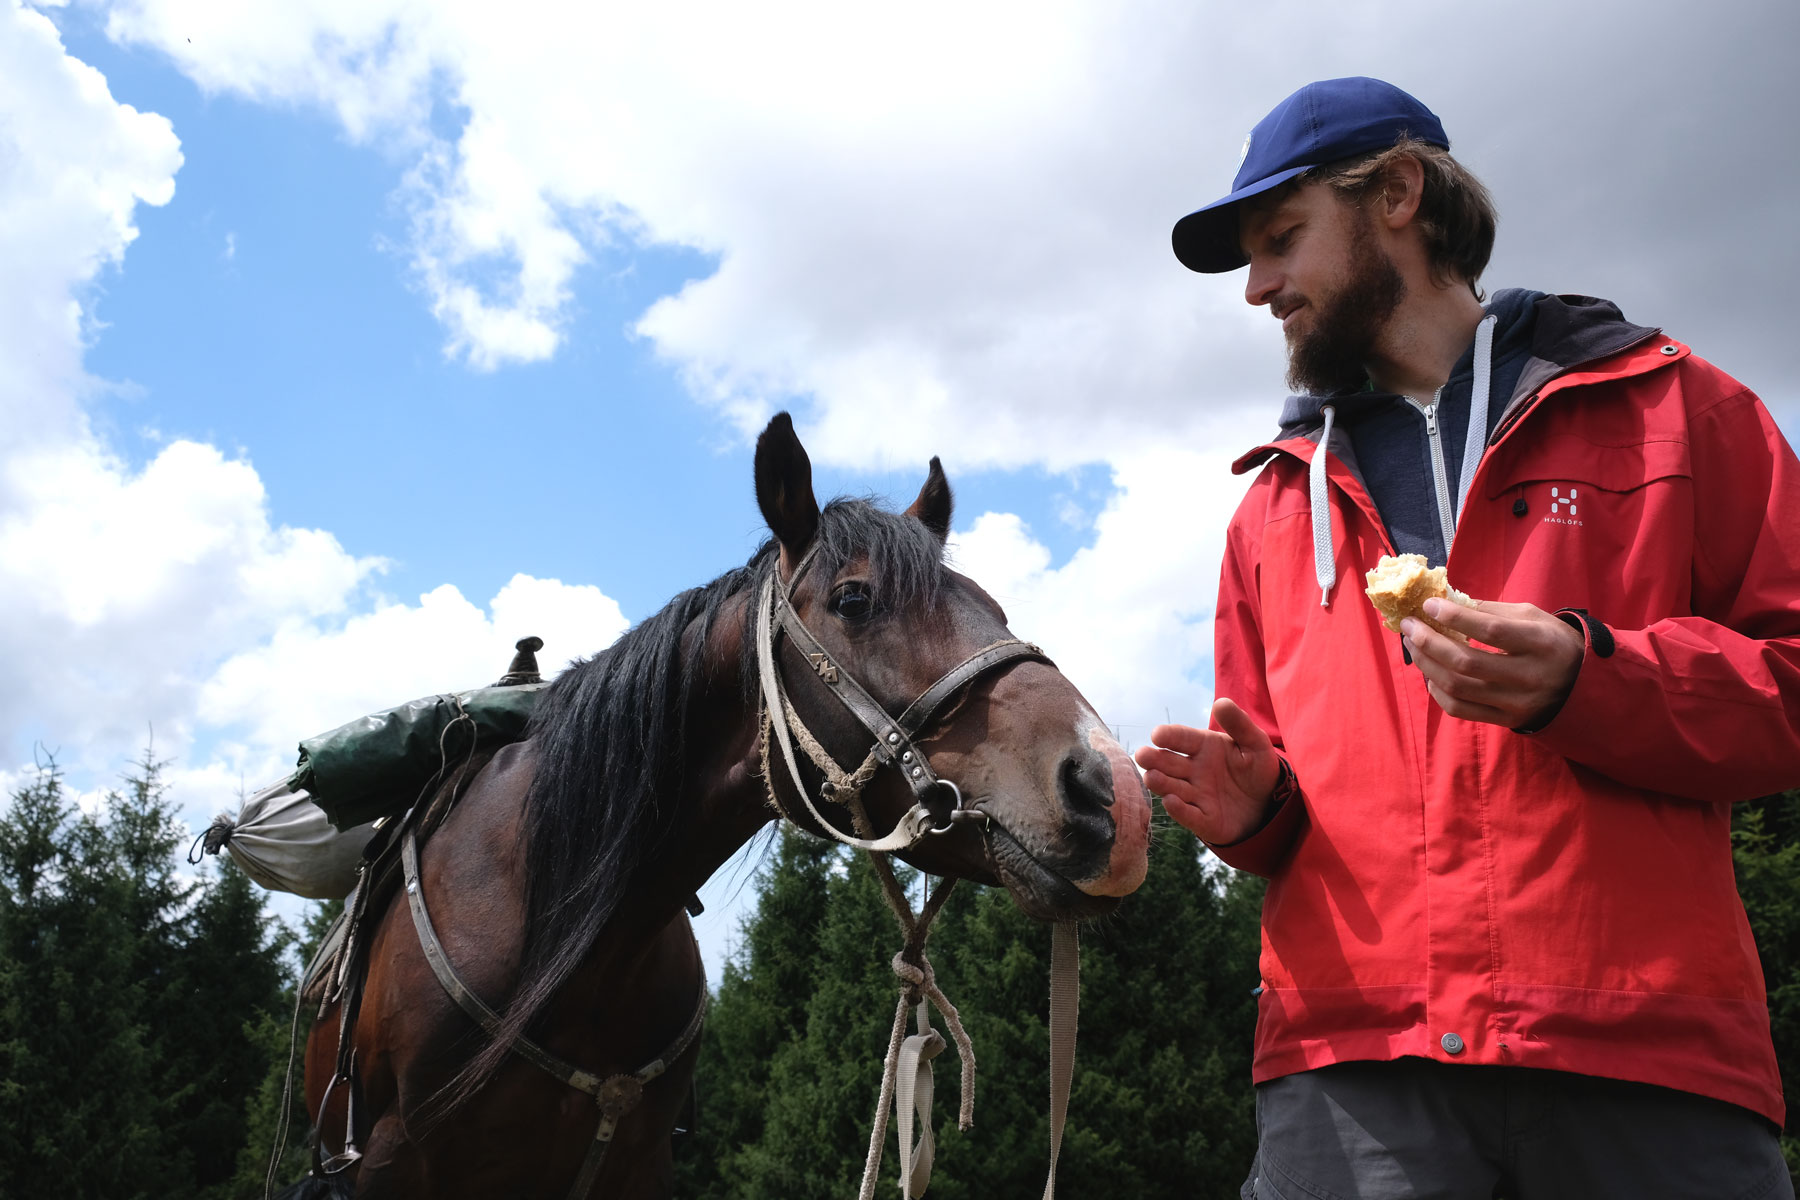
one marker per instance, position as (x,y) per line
(615,1095)
(894,737)
(912,826)
(919,713)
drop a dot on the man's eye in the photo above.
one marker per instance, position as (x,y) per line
(852,602)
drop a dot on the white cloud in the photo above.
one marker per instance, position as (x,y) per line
(74,165)
(1129,617)
(164,591)
(125,587)
(962,216)
(310,677)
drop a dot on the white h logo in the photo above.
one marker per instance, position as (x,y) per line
(1556,499)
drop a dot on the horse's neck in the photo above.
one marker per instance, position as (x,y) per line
(724,796)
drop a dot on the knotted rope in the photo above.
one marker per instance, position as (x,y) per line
(906,1079)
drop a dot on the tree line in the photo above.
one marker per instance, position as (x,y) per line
(145,1013)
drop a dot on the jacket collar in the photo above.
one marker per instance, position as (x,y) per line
(1571,331)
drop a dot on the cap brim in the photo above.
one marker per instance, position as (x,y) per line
(1206,240)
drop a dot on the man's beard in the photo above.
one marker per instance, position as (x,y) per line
(1329,358)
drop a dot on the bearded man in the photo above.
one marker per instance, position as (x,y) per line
(1503,951)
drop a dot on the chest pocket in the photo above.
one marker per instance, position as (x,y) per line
(1605,527)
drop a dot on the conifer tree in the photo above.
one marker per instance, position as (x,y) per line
(280,1036)
(1161,1104)
(78,1102)
(1765,840)
(760,1013)
(1161,1100)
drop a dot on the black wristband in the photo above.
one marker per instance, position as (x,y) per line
(1599,637)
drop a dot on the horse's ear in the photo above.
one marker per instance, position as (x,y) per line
(784,486)
(935,502)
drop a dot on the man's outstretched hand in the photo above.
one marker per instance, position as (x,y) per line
(1215,783)
(1520,683)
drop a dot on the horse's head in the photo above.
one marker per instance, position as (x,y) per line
(1053,808)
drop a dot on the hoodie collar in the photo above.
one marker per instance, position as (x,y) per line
(1569,331)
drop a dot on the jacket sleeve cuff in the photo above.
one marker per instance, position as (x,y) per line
(1263,852)
(1597,642)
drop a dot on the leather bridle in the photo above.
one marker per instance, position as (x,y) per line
(938,803)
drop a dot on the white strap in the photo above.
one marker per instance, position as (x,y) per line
(1065,1004)
(913,1095)
(1475,440)
(1324,557)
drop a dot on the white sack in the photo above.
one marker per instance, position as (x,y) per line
(284,841)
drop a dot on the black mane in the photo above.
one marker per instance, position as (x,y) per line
(607,796)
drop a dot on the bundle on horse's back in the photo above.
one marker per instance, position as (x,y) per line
(375,766)
(307,834)
(286,843)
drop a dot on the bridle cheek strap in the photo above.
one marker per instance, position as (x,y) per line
(895,738)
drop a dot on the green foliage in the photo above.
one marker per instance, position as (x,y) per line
(791,1066)
(130,994)
(1765,845)
(279,1036)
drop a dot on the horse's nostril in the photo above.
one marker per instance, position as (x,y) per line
(1085,782)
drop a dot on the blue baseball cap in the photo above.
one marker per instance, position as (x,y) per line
(1323,122)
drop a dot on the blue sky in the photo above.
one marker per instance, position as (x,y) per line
(341,346)
(267,310)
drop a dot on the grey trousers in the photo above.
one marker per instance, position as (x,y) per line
(1414,1129)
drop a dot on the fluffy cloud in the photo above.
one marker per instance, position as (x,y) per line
(308,678)
(1129,617)
(164,590)
(962,216)
(74,165)
(125,587)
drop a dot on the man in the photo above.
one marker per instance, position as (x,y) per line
(1503,952)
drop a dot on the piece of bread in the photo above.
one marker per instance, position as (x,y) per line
(1400,585)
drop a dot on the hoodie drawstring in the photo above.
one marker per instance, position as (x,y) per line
(1474,444)
(1475,440)
(1324,558)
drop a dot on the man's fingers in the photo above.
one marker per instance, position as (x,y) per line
(1166,763)
(1458,658)
(1237,725)
(1469,710)
(1182,739)
(1171,788)
(1493,623)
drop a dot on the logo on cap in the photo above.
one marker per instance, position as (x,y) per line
(1245,152)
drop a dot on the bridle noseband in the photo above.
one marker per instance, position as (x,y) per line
(938,805)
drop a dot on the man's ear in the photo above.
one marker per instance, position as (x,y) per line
(935,502)
(1402,187)
(784,487)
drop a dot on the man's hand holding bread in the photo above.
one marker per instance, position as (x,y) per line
(1518,677)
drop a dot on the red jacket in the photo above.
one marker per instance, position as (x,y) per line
(1561,899)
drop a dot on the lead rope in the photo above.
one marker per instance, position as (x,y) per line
(902,1087)
(1065,1005)
(906,1078)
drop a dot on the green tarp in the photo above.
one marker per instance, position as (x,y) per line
(377,765)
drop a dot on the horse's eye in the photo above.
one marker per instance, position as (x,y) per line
(852,602)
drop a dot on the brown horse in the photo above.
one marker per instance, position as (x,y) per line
(557,881)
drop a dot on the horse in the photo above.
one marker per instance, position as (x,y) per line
(555,886)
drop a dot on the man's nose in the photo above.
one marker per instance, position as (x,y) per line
(1263,284)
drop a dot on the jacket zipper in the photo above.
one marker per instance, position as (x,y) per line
(1439,474)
